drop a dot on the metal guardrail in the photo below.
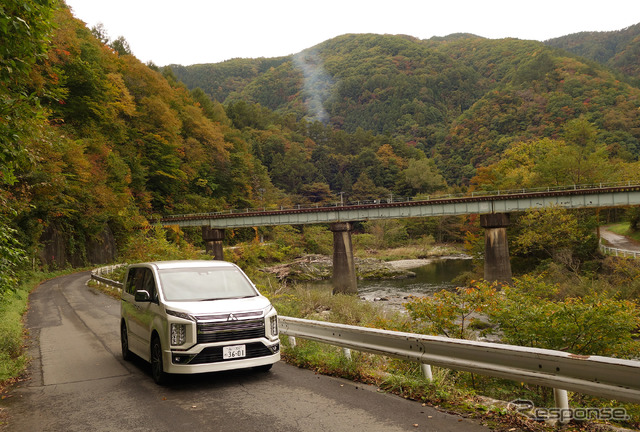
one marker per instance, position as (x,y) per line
(619,252)
(600,376)
(96,274)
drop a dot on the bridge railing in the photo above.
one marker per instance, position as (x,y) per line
(599,376)
(398,199)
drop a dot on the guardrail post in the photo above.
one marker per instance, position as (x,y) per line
(347,353)
(426,371)
(562,404)
(292,341)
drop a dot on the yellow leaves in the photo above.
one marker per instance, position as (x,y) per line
(388,157)
(159,115)
(210,136)
(121,99)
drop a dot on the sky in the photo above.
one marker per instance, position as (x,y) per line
(189,32)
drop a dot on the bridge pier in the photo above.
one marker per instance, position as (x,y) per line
(344,269)
(213,241)
(497,266)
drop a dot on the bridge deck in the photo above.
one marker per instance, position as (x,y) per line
(504,203)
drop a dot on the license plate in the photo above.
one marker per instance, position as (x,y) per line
(234,351)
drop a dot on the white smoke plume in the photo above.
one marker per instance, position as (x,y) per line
(317,84)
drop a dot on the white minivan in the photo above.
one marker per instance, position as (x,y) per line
(196,316)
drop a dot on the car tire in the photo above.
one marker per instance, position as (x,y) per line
(124,342)
(157,366)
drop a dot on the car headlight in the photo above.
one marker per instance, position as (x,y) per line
(178,334)
(180,314)
(274,325)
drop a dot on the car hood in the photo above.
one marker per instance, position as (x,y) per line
(212,307)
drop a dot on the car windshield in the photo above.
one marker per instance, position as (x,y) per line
(201,284)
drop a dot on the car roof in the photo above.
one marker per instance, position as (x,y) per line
(177,264)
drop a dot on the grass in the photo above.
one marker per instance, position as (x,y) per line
(12,357)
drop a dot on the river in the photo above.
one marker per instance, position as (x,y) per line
(431,276)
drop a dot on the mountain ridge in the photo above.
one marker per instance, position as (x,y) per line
(462,92)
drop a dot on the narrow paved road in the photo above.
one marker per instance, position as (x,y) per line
(79,382)
(619,241)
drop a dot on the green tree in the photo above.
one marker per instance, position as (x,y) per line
(293,169)
(121,46)
(386,232)
(25,27)
(553,232)
(12,256)
(364,189)
(526,314)
(25,30)
(420,177)
(317,193)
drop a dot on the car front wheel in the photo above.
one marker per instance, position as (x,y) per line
(124,342)
(157,368)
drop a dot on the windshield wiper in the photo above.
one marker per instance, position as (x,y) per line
(227,298)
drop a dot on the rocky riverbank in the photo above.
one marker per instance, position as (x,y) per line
(319,267)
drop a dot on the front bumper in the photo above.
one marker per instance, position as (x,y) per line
(208,358)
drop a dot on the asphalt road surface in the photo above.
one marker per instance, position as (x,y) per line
(78,382)
(619,241)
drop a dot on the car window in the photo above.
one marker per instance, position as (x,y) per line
(149,284)
(134,279)
(198,284)
(141,279)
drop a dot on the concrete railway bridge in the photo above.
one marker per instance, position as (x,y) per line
(494,209)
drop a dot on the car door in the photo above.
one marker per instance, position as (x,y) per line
(141,313)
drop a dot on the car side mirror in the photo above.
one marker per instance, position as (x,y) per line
(142,296)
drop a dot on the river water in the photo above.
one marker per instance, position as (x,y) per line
(431,276)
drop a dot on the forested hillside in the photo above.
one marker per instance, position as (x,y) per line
(618,49)
(95,144)
(461,100)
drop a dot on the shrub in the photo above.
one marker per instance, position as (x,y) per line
(528,314)
(594,324)
(450,313)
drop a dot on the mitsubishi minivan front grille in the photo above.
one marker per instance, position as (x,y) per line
(224,331)
(214,354)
